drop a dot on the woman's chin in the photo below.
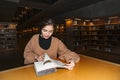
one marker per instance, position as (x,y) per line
(46,37)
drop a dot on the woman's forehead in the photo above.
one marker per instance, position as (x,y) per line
(48,27)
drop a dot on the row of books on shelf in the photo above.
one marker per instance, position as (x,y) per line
(97,39)
(106,49)
(109,33)
(101,27)
(97,48)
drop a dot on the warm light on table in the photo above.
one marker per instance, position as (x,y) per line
(87,69)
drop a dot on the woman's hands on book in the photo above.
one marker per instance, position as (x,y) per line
(68,66)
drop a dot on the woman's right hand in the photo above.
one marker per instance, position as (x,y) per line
(39,58)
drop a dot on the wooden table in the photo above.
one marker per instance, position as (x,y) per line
(87,69)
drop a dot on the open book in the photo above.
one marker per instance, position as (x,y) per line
(48,65)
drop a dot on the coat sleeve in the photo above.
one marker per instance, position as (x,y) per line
(29,55)
(66,54)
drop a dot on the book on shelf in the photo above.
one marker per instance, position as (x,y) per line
(47,66)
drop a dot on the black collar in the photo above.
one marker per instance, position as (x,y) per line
(44,43)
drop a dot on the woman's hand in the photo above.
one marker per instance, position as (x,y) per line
(71,65)
(39,58)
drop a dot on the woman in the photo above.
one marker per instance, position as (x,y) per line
(46,43)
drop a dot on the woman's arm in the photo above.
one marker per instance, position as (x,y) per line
(29,55)
(66,54)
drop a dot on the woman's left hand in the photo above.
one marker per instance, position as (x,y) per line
(71,65)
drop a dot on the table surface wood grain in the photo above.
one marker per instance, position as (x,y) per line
(87,69)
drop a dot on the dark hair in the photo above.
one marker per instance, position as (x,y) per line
(45,22)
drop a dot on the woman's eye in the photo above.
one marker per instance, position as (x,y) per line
(50,31)
(44,30)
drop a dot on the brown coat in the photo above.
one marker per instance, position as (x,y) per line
(57,48)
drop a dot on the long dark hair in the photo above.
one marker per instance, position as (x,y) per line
(45,22)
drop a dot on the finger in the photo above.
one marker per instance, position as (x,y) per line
(40,59)
(71,64)
(69,67)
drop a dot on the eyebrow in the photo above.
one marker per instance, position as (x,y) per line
(47,30)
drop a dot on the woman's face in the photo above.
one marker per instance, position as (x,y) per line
(47,31)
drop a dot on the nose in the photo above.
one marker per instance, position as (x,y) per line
(47,33)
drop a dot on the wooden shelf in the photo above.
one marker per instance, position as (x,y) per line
(100,38)
(8,39)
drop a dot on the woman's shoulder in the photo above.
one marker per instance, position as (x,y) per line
(35,36)
(55,38)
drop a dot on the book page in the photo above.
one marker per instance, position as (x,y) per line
(54,63)
(47,59)
(59,64)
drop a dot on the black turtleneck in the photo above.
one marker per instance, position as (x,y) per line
(44,43)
